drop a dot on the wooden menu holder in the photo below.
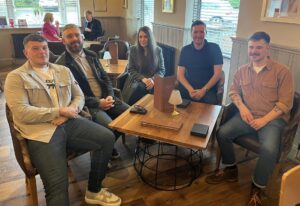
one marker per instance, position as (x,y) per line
(163,87)
(113,50)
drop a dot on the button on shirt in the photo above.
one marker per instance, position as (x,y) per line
(261,92)
(88,72)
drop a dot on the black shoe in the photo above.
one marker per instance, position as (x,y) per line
(115,154)
(226,175)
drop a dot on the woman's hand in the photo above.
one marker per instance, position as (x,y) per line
(148,82)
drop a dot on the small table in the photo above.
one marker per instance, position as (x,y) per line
(195,113)
(114,70)
(87,44)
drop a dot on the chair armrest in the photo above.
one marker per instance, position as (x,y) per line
(117,93)
(229,111)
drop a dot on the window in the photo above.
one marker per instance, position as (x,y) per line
(221,17)
(146,12)
(65,11)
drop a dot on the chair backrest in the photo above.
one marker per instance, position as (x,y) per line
(123,48)
(169,58)
(290,189)
(56,47)
(20,147)
(220,88)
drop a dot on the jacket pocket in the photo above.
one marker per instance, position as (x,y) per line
(37,95)
(65,90)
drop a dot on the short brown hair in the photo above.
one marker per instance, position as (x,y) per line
(48,17)
(34,37)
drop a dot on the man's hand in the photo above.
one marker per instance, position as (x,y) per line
(59,120)
(106,103)
(258,123)
(148,82)
(193,93)
(87,29)
(245,114)
(199,94)
(69,112)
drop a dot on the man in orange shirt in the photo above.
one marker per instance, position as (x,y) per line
(263,93)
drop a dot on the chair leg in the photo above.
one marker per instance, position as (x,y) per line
(31,186)
(123,139)
(218,158)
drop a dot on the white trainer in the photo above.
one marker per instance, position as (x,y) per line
(103,198)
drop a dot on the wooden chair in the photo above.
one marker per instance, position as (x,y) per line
(251,143)
(123,48)
(23,157)
(1,86)
(290,188)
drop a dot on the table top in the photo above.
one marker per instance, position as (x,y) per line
(87,44)
(195,113)
(115,69)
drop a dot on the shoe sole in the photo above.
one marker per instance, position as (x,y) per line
(227,180)
(98,202)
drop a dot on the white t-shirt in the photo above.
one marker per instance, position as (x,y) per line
(46,75)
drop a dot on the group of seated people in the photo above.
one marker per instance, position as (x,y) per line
(92,28)
(46,99)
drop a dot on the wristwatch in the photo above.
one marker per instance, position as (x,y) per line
(206,89)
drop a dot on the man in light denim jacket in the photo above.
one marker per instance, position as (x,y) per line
(45,100)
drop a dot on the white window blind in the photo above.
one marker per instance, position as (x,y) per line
(146,12)
(65,11)
(221,17)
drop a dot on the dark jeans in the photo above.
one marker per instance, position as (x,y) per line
(104,117)
(270,140)
(138,93)
(50,159)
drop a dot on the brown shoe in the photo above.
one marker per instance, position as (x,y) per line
(256,197)
(226,175)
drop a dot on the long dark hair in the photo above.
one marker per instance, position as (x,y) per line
(150,61)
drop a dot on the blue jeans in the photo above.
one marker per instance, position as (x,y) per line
(50,159)
(270,140)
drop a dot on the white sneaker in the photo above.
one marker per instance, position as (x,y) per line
(103,198)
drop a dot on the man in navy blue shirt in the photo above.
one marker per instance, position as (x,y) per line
(200,67)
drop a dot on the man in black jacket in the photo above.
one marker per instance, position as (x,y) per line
(92,27)
(93,80)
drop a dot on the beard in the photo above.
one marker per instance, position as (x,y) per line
(75,47)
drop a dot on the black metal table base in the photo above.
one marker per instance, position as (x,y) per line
(165,166)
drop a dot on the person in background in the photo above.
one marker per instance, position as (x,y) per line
(45,100)
(50,32)
(200,67)
(93,80)
(145,61)
(263,92)
(92,28)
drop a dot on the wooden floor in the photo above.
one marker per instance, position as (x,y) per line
(123,181)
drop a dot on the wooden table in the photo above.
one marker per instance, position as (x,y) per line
(195,113)
(114,70)
(152,159)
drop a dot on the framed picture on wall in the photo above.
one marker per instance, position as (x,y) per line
(100,5)
(285,11)
(168,6)
(124,4)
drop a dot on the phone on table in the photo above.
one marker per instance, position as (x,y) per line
(137,109)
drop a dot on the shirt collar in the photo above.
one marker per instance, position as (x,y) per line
(204,46)
(76,56)
(268,65)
